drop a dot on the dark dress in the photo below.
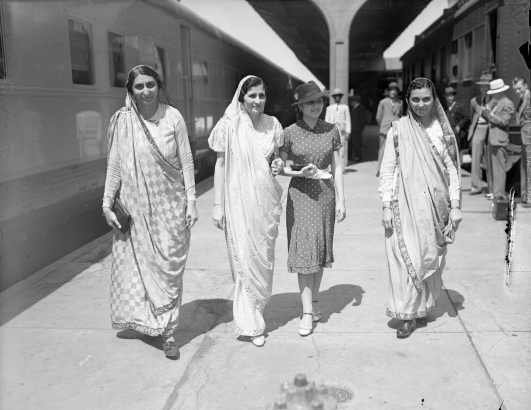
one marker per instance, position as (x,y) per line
(310,211)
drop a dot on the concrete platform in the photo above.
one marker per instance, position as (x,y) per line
(58,350)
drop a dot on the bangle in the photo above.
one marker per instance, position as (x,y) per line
(386,207)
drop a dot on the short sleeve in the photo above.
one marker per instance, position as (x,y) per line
(278,133)
(336,139)
(286,147)
(217,138)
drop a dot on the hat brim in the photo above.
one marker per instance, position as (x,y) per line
(482,82)
(451,93)
(499,90)
(312,97)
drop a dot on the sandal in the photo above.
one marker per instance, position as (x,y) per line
(316,315)
(305,331)
(169,347)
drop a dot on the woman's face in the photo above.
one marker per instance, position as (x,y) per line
(421,101)
(145,90)
(312,109)
(254,99)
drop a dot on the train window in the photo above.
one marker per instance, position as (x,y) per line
(443,64)
(116,59)
(200,75)
(80,34)
(160,66)
(493,38)
(3,58)
(454,60)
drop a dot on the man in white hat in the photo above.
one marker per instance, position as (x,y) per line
(498,114)
(523,120)
(339,114)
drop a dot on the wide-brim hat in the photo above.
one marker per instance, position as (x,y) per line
(308,92)
(337,91)
(393,85)
(497,86)
(449,90)
(484,79)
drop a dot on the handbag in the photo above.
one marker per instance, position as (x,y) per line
(123,216)
(448,232)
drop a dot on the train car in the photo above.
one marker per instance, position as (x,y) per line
(474,36)
(63,67)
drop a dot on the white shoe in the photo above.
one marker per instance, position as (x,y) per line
(303,330)
(258,341)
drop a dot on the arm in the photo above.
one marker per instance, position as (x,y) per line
(379,113)
(387,174)
(347,114)
(337,170)
(112,184)
(501,118)
(288,172)
(218,215)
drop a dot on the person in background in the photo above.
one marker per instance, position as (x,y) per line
(457,116)
(389,109)
(151,171)
(247,201)
(477,132)
(339,115)
(420,189)
(498,113)
(359,119)
(523,120)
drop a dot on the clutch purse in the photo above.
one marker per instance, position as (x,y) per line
(123,216)
(449,233)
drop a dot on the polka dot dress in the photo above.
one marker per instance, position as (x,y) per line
(310,211)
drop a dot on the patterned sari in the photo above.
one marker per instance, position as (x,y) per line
(149,260)
(417,248)
(252,209)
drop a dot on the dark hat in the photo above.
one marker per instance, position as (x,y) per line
(308,92)
(394,85)
(450,90)
(356,97)
(485,78)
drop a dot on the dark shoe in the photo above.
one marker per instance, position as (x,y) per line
(169,347)
(421,321)
(474,191)
(405,329)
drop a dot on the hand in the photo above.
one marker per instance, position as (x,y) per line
(308,171)
(347,137)
(455,216)
(111,219)
(457,129)
(485,112)
(341,212)
(387,218)
(218,216)
(191,214)
(277,166)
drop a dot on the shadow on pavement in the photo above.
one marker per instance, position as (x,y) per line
(284,307)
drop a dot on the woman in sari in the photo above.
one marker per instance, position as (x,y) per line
(247,201)
(151,172)
(420,188)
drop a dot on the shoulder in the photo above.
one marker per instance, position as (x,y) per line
(270,120)
(292,128)
(326,126)
(508,102)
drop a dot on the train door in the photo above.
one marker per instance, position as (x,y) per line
(186,81)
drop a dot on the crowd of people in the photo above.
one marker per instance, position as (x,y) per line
(151,176)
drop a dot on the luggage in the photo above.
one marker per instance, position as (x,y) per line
(500,209)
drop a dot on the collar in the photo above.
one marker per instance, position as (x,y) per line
(157,116)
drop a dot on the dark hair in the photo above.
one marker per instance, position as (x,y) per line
(517,79)
(250,83)
(146,70)
(418,84)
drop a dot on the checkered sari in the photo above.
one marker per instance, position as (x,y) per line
(148,261)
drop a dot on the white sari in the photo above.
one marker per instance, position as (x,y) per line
(252,209)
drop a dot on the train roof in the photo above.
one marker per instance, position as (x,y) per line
(182,12)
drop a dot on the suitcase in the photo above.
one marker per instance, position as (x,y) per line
(500,209)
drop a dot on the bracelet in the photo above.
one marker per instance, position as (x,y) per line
(387,207)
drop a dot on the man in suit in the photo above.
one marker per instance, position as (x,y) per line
(477,132)
(523,120)
(457,116)
(339,114)
(389,110)
(359,119)
(498,113)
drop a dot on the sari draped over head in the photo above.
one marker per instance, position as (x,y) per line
(421,213)
(252,205)
(152,190)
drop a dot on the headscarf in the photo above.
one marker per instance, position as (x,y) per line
(252,203)
(421,214)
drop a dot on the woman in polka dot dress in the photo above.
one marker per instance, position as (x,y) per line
(312,209)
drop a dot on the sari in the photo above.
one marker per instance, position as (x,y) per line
(148,261)
(252,202)
(417,247)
